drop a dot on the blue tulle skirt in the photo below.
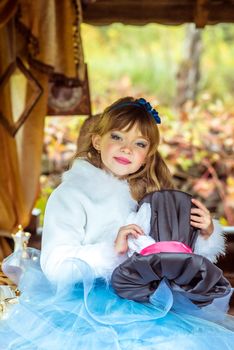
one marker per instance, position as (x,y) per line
(89,315)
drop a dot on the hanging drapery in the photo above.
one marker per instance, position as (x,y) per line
(39,42)
(12,205)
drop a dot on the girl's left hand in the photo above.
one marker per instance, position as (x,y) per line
(201,218)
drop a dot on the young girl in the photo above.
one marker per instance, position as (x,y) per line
(117,165)
(85,237)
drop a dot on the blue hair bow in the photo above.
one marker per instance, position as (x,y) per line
(150,109)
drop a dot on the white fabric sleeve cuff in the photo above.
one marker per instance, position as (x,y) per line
(213,246)
(141,218)
(137,244)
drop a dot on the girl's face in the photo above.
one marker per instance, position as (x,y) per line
(122,152)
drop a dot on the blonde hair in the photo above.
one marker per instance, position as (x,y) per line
(122,114)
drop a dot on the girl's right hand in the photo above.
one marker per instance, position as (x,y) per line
(121,242)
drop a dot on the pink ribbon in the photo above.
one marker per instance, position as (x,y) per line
(166,247)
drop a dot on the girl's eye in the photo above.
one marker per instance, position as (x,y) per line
(115,137)
(141,144)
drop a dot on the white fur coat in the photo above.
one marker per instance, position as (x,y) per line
(82,219)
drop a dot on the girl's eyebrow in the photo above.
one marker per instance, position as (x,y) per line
(125,132)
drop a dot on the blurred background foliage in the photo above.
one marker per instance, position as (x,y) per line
(197,135)
(146,60)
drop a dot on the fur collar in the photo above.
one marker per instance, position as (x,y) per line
(95,182)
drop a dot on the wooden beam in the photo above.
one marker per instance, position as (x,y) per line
(221,13)
(139,12)
(173,12)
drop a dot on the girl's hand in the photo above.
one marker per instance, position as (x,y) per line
(201,218)
(121,242)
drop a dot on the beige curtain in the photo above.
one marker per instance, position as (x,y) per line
(45,35)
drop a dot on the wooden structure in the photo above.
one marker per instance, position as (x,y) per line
(174,12)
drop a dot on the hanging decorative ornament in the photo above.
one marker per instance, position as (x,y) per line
(65,99)
(36,91)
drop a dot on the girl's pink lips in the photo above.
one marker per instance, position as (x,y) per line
(122,160)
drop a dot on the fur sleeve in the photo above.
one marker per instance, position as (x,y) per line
(211,247)
(62,247)
(64,266)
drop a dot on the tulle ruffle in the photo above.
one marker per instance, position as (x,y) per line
(89,315)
